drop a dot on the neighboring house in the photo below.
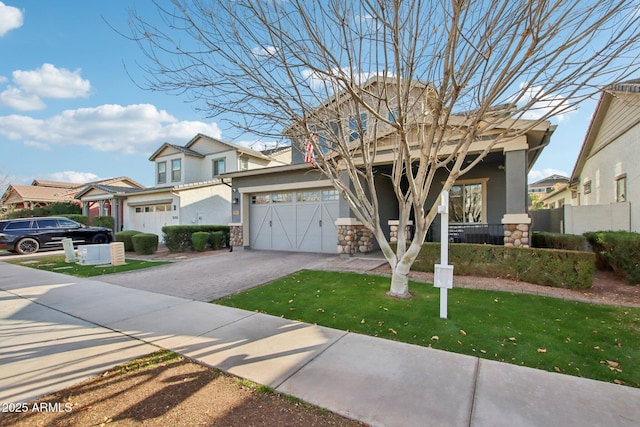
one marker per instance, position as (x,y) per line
(296,208)
(548,184)
(558,197)
(605,182)
(39,194)
(189,187)
(42,193)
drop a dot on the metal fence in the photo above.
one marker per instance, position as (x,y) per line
(490,234)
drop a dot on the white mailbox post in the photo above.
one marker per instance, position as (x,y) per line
(443,272)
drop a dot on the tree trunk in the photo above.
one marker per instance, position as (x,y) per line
(399,283)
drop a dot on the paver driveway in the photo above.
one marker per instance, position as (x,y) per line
(221,274)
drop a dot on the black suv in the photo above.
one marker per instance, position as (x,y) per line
(29,235)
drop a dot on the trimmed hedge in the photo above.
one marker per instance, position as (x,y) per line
(125,237)
(568,242)
(200,240)
(145,243)
(216,240)
(102,221)
(548,267)
(178,237)
(618,251)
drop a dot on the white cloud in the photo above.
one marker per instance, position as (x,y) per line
(51,82)
(537,175)
(73,176)
(17,99)
(45,82)
(139,128)
(544,103)
(10,18)
(264,52)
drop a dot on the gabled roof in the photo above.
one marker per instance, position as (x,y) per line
(109,189)
(549,181)
(37,193)
(231,145)
(180,148)
(186,149)
(602,109)
(57,184)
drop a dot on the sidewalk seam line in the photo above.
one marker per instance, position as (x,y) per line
(345,333)
(474,390)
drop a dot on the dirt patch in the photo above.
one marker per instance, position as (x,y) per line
(167,390)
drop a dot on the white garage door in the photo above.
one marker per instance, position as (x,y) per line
(302,221)
(150,218)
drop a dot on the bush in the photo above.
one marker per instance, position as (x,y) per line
(618,251)
(548,267)
(568,242)
(145,243)
(178,237)
(216,239)
(125,237)
(199,240)
(54,209)
(102,221)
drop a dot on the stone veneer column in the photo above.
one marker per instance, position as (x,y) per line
(235,234)
(393,230)
(516,230)
(353,237)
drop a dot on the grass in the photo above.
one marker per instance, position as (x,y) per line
(57,264)
(586,340)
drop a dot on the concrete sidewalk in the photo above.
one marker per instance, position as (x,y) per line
(57,330)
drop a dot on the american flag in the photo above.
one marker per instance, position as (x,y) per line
(309,155)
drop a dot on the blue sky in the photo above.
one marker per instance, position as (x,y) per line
(70,112)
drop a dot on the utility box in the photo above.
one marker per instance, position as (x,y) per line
(69,251)
(94,254)
(117,253)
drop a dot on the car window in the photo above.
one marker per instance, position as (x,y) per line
(67,223)
(47,223)
(19,225)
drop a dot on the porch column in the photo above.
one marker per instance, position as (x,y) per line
(85,209)
(353,237)
(516,220)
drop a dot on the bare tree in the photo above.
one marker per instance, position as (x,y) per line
(420,79)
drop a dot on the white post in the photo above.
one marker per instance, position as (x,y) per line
(443,272)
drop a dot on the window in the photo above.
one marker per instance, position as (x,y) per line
(218,167)
(162,172)
(465,203)
(244,163)
(19,225)
(47,223)
(260,199)
(587,187)
(330,195)
(355,126)
(138,210)
(621,188)
(282,197)
(176,170)
(308,196)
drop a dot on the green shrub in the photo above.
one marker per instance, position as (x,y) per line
(145,243)
(618,251)
(216,239)
(178,237)
(125,237)
(82,219)
(568,242)
(54,209)
(549,267)
(102,221)
(199,240)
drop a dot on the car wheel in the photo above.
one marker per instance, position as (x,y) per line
(100,239)
(27,245)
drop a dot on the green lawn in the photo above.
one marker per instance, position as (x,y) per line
(57,264)
(586,340)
